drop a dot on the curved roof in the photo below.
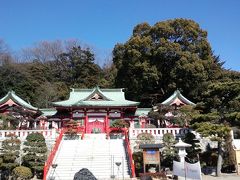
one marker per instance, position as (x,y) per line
(178,99)
(96,97)
(16,99)
(48,112)
(142,111)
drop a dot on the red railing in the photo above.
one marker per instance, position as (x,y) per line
(49,161)
(81,130)
(129,151)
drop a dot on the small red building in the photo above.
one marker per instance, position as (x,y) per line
(10,103)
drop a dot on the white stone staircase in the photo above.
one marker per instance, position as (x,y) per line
(95,153)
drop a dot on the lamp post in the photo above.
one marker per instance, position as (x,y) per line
(118,165)
(54,166)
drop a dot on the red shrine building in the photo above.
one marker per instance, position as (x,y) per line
(93,109)
(8,105)
(11,100)
(177,100)
(96,109)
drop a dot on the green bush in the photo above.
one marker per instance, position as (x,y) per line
(22,173)
(145,137)
(120,123)
(150,126)
(35,137)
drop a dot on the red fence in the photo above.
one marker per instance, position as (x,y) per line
(49,161)
(129,151)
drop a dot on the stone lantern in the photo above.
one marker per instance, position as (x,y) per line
(181,146)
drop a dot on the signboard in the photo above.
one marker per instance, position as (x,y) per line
(151,156)
(187,170)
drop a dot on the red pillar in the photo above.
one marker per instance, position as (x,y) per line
(107,126)
(86,124)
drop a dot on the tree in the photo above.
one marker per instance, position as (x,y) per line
(143,138)
(168,153)
(222,98)
(158,59)
(5,54)
(22,173)
(193,151)
(109,72)
(229,155)
(77,68)
(43,51)
(120,123)
(216,132)
(10,154)
(22,118)
(72,129)
(7,122)
(181,116)
(35,153)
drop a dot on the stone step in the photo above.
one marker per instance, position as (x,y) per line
(95,154)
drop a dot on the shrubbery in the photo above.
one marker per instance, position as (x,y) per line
(22,173)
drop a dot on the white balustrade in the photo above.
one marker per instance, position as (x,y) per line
(22,134)
(157,132)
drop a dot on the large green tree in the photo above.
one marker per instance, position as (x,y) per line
(77,68)
(168,55)
(216,132)
(220,103)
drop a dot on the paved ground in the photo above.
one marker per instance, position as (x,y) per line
(232,176)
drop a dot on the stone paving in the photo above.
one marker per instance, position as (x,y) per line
(232,176)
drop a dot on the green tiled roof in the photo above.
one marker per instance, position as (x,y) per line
(11,95)
(142,111)
(48,112)
(177,94)
(110,97)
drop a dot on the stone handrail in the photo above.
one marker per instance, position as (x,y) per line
(22,134)
(157,132)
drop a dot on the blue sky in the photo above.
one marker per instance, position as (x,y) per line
(103,23)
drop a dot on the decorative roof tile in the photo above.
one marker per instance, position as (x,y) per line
(109,97)
(142,111)
(16,99)
(177,99)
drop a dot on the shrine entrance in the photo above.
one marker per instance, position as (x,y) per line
(96,125)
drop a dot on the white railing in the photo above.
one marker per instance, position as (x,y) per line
(157,132)
(22,134)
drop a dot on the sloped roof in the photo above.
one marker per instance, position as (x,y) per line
(16,99)
(142,111)
(109,97)
(182,144)
(48,112)
(178,99)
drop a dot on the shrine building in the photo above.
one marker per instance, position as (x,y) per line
(96,109)
(11,100)
(177,99)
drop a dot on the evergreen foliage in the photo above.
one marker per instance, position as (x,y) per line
(216,132)
(168,55)
(35,153)
(120,123)
(22,173)
(169,153)
(10,154)
(193,151)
